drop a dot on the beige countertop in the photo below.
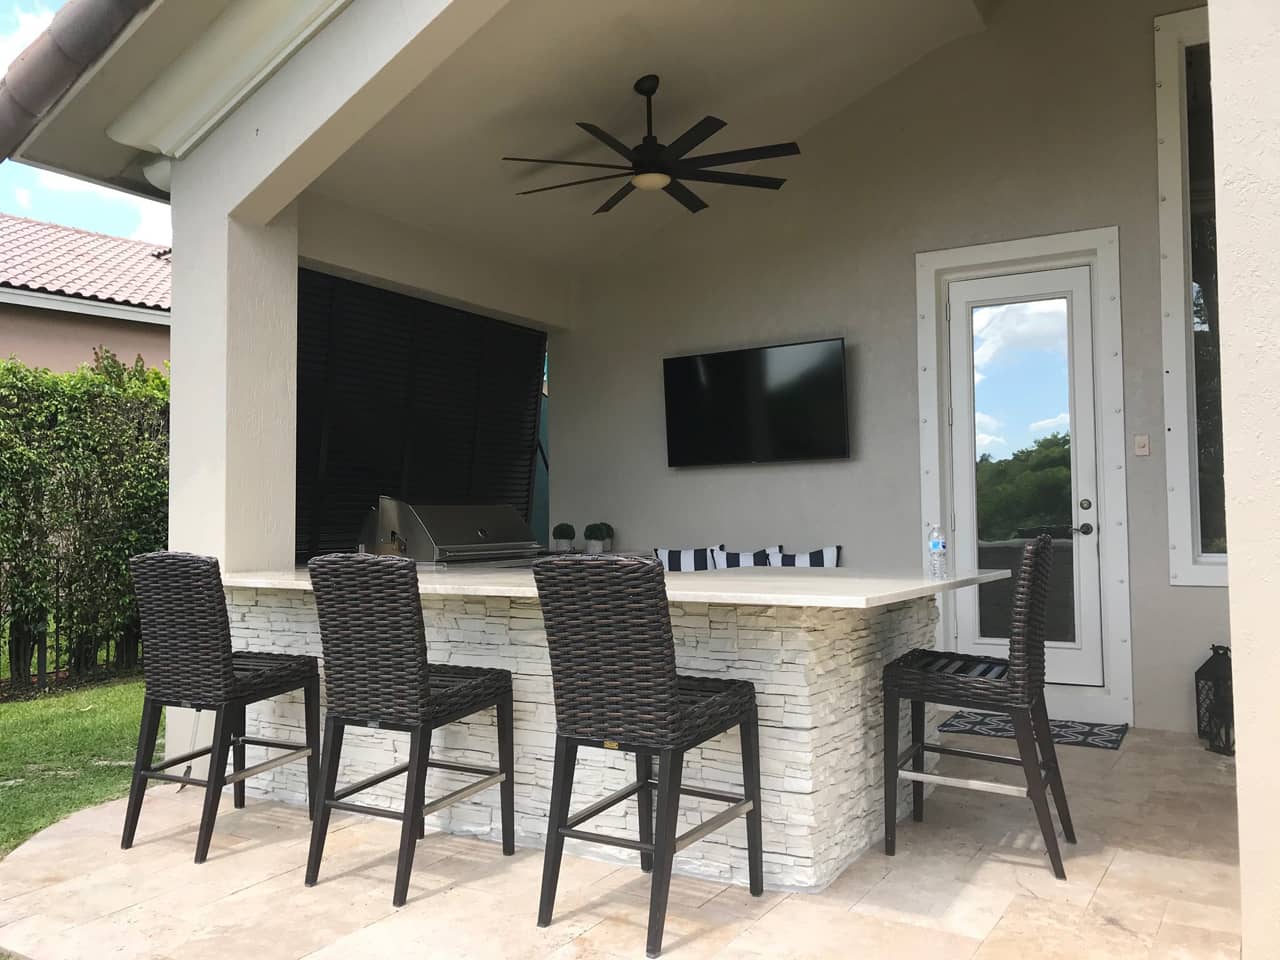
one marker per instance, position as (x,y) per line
(756,586)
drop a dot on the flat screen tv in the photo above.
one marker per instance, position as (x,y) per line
(767,404)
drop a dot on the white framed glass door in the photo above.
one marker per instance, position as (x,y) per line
(1024,458)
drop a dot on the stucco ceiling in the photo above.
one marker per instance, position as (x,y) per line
(772,70)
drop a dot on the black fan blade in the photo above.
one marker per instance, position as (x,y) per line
(692,202)
(699,132)
(609,140)
(724,176)
(623,192)
(573,183)
(743,156)
(569,163)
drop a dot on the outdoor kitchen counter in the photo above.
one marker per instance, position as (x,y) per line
(759,586)
(813,642)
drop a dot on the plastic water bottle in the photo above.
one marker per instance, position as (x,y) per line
(937,552)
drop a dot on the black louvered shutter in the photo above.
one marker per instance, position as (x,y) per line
(404,397)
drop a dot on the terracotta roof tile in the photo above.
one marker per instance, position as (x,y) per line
(76,263)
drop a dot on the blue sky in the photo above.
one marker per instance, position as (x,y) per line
(1021,388)
(29,192)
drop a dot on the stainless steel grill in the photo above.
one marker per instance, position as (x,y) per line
(440,534)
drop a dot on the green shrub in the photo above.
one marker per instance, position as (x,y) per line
(564,531)
(84,464)
(595,531)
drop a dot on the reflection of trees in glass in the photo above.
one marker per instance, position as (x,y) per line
(1026,493)
(1204,303)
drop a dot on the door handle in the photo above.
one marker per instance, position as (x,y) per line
(1084,529)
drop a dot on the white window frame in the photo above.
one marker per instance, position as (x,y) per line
(1187,565)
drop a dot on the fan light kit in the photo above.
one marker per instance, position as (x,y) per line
(664,166)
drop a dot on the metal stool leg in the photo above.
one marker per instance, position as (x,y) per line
(1025,734)
(561,794)
(1048,750)
(311,714)
(670,769)
(750,735)
(890,771)
(222,727)
(917,759)
(333,730)
(507,764)
(644,800)
(238,729)
(147,734)
(411,824)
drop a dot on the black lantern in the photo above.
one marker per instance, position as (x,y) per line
(1215,715)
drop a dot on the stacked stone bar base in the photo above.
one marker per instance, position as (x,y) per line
(817,677)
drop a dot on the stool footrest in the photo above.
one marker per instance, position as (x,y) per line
(179,760)
(368,782)
(449,799)
(624,842)
(739,809)
(295,754)
(986,786)
(600,806)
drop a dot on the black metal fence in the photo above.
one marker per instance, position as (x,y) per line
(49,638)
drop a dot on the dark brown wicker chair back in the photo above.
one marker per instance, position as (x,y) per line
(1027,620)
(185,633)
(375,648)
(613,660)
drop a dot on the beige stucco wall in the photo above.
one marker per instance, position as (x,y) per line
(1042,124)
(1246,88)
(62,341)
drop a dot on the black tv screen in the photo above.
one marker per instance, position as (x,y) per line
(756,406)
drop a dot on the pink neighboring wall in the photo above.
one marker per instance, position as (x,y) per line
(62,341)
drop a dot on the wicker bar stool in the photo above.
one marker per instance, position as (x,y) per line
(613,667)
(1014,686)
(376,675)
(189,663)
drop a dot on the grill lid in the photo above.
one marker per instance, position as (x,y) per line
(436,533)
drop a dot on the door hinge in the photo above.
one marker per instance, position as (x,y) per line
(950,417)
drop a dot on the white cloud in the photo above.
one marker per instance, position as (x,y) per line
(985,441)
(1061,422)
(985,422)
(23,196)
(1035,325)
(154,225)
(32,21)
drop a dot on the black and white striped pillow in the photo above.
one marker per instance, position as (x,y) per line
(726,560)
(684,559)
(824,557)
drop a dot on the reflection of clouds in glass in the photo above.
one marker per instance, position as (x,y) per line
(1034,325)
(985,441)
(985,422)
(1060,423)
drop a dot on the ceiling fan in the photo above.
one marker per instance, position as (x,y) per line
(665,166)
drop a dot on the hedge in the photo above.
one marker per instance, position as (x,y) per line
(84,467)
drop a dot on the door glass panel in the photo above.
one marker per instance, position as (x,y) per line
(1022,439)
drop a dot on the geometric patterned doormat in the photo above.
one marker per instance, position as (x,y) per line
(1107,736)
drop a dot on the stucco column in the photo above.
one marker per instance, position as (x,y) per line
(1245,39)
(234,354)
(234,349)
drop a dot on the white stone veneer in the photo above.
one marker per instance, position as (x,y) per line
(817,677)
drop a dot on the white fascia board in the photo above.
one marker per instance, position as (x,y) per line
(93,308)
(240,51)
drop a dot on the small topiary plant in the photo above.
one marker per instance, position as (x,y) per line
(608,530)
(564,531)
(596,531)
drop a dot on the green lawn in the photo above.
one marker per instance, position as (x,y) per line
(62,752)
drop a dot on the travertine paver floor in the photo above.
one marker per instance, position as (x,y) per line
(1154,877)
